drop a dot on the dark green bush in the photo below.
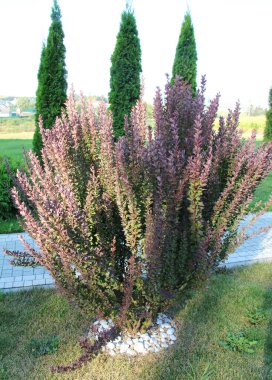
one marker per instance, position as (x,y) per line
(7,208)
(125,82)
(52,78)
(185,63)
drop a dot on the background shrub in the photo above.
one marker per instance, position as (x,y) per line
(125,81)
(124,226)
(185,62)
(7,208)
(52,78)
(268,125)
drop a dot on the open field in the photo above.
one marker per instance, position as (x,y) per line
(249,123)
(234,302)
(17,125)
(16,129)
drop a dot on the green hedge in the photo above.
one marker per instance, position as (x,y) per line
(7,209)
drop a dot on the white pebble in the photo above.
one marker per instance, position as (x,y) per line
(110,345)
(160,335)
(164,335)
(139,347)
(123,348)
(164,345)
(130,352)
(170,331)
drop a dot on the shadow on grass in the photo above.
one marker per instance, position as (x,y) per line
(188,358)
(267,369)
(212,313)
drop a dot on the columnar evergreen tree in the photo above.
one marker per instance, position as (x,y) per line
(268,127)
(52,84)
(185,63)
(125,81)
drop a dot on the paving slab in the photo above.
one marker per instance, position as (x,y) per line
(16,277)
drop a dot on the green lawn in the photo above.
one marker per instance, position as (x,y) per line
(13,149)
(232,302)
(263,191)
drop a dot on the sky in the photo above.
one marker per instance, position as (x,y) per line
(233,39)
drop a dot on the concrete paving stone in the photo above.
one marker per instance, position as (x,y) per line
(18,284)
(8,285)
(39,282)
(7,279)
(49,281)
(9,245)
(4,275)
(39,276)
(28,270)
(28,283)
(39,271)
(47,275)
(30,277)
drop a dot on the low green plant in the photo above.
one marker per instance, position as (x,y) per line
(205,375)
(44,346)
(256,316)
(238,342)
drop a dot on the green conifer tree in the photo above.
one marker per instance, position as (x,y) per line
(52,83)
(185,63)
(268,126)
(125,81)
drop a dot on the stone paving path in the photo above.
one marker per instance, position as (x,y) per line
(12,277)
(256,249)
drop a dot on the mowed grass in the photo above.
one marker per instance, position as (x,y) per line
(15,134)
(13,148)
(205,317)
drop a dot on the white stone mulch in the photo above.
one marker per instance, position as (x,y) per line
(161,335)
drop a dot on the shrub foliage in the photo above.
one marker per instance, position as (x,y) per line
(268,126)
(125,72)
(52,84)
(7,208)
(124,226)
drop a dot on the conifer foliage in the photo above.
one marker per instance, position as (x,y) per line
(185,63)
(125,81)
(52,84)
(268,126)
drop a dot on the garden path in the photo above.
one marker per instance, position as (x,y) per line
(258,248)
